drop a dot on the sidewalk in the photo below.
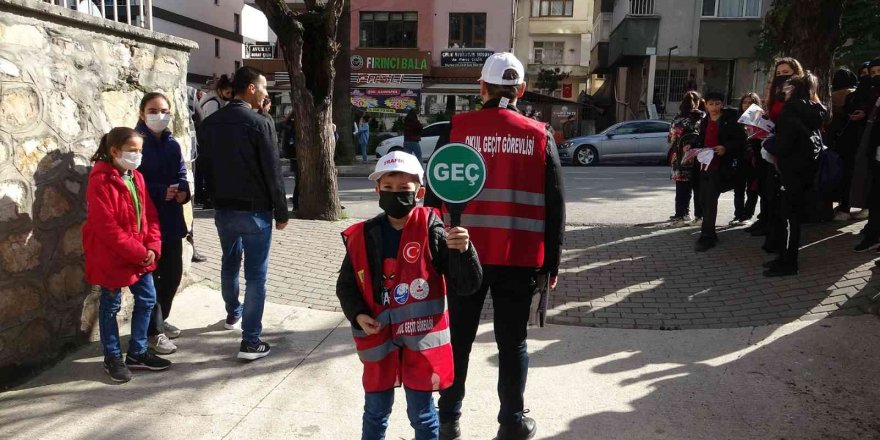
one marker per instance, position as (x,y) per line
(356,169)
(805,380)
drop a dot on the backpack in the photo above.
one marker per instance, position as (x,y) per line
(829,175)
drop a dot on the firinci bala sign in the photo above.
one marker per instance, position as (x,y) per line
(390,61)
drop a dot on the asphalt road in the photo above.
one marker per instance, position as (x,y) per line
(625,195)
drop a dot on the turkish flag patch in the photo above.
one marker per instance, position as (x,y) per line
(411,252)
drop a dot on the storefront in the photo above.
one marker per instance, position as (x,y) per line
(387,83)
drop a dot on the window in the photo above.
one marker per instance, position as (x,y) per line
(552,8)
(548,52)
(631,128)
(434,130)
(467,30)
(389,29)
(641,7)
(677,88)
(236,23)
(731,8)
(654,127)
(217,47)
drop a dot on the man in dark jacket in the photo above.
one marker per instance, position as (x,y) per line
(246,185)
(721,132)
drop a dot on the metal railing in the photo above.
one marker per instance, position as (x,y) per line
(134,12)
(641,7)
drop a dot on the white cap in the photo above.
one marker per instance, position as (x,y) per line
(398,162)
(497,64)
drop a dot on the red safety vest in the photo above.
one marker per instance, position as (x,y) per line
(506,221)
(413,346)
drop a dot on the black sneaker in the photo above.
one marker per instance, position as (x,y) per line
(780,271)
(115,367)
(450,431)
(772,263)
(252,352)
(198,258)
(146,361)
(704,244)
(866,245)
(523,431)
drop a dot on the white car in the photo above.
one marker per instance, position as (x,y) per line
(430,134)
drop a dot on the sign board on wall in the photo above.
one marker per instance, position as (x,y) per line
(464,57)
(260,51)
(383,100)
(390,61)
(389,80)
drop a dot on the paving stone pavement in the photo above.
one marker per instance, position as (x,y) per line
(644,276)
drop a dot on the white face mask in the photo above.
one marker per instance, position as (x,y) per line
(158,122)
(129,160)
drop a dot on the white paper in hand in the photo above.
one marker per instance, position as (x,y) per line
(754,117)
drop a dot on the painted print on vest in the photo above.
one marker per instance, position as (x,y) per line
(411,252)
(401,293)
(499,144)
(419,289)
(415,327)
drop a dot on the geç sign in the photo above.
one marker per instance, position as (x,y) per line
(456,174)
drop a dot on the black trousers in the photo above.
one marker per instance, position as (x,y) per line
(793,204)
(872,229)
(710,190)
(683,192)
(744,199)
(167,279)
(512,291)
(775,239)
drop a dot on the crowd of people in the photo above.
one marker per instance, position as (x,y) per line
(793,164)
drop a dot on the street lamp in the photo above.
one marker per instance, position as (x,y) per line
(672,51)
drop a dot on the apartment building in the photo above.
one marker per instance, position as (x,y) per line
(705,45)
(555,34)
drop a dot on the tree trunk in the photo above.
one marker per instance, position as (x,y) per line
(342,89)
(308,42)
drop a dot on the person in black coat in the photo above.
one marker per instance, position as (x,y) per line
(721,132)
(796,148)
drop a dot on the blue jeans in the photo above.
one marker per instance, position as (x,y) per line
(419,408)
(144,293)
(414,148)
(363,149)
(249,234)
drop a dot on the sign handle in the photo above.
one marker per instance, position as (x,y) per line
(455,210)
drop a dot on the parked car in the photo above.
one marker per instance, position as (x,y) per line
(430,134)
(636,140)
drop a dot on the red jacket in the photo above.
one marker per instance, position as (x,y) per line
(113,247)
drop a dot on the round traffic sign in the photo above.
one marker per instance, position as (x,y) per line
(456,173)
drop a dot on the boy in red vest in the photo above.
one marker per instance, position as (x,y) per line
(392,287)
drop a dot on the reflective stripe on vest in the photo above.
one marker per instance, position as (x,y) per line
(506,220)
(415,331)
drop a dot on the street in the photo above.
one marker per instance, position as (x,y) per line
(594,195)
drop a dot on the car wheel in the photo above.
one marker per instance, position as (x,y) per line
(586,156)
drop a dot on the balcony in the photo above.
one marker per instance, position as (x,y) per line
(632,37)
(599,58)
(601,28)
(575,71)
(134,12)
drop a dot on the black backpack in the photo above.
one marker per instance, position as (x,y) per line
(829,174)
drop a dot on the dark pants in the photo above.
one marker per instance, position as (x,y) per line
(683,191)
(744,200)
(774,220)
(872,229)
(294,168)
(167,279)
(794,205)
(710,190)
(512,291)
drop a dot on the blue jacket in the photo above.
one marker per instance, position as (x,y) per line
(162,167)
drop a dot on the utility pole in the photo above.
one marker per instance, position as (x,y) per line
(673,49)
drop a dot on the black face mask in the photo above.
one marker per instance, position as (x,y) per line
(397,204)
(778,82)
(875,81)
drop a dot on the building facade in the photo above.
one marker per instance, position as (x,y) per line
(702,45)
(220,27)
(555,34)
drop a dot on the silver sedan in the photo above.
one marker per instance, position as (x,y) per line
(629,140)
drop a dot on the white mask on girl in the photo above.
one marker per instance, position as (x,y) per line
(130,160)
(158,122)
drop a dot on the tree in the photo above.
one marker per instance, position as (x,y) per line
(808,30)
(549,79)
(345,146)
(861,33)
(308,42)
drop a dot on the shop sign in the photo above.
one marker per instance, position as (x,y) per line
(395,80)
(464,57)
(381,100)
(260,51)
(376,60)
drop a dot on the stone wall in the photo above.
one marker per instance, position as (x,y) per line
(65,80)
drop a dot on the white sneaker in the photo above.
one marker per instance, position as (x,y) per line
(860,215)
(171,331)
(735,222)
(681,221)
(232,323)
(842,216)
(161,344)
(697,221)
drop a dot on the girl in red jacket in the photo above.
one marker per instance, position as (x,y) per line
(122,243)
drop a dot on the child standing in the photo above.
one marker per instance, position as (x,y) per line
(122,243)
(392,287)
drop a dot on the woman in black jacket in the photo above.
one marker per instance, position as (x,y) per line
(796,147)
